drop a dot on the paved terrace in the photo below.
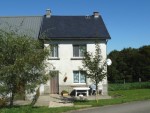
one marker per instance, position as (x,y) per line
(55,100)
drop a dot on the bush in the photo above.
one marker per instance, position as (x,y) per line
(64,92)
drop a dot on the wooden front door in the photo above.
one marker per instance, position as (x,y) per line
(54,83)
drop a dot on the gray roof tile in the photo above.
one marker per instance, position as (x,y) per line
(22,25)
(77,27)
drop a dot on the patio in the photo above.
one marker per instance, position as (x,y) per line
(55,100)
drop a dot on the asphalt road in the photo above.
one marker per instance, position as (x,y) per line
(133,107)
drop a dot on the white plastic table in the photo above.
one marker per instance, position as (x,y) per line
(81,90)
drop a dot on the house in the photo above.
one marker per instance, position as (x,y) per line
(67,36)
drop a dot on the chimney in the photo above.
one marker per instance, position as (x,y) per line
(96,14)
(48,13)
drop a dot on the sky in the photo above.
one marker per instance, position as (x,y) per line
(128,21)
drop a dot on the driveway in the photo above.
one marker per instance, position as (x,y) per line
(133,107)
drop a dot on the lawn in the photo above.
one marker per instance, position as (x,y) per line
(120,96)
(28,109)
(129,86)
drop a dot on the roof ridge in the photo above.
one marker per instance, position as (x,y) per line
(17,16)
(72,15)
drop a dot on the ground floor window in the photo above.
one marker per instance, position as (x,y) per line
(79,77)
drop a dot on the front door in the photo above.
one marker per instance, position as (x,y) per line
(54,83)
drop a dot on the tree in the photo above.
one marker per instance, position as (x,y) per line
(112,71)
(95,66)
(21,64)
(130,64)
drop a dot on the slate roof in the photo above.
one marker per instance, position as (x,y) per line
(76,27)
(22,25)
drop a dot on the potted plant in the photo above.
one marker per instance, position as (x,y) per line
(64,93)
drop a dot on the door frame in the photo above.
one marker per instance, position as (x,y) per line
(54,82)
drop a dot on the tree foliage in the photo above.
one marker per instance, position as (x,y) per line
(130,64)
(95,66)
(21,64)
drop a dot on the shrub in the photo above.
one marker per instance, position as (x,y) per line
(63,92)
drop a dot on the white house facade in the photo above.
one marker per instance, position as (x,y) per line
(68,66)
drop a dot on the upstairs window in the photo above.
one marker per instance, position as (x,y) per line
(54,50)
(79,77)
(78,50)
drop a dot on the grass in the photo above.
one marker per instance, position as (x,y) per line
(129,86)
(119,97)
(29,109)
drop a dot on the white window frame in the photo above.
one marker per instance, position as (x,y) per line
(54,51)
(80,51)
(79,77)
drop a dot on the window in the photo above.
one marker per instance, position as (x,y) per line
(54,51)
(78,50)
(79,76)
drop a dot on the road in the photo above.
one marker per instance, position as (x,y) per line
(133,107)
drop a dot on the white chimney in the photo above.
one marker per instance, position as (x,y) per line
(96,14)
(48,13)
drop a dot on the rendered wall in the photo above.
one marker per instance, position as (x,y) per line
(66,65)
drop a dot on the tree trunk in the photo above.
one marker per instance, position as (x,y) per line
(23,91)
(96,92)
(12,99)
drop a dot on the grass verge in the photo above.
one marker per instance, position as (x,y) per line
(119,97)
(129,86)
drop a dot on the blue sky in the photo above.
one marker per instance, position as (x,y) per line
(128,21)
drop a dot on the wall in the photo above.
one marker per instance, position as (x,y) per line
(66,65)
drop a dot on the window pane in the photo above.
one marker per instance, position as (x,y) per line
(82,49)
(82,77)
(51,51)
(76,76)
(75,51)
(54,50)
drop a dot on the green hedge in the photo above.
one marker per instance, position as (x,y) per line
(129,86)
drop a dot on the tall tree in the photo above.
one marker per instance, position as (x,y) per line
(113,73)
(145,62)
(21,64)
(130,64)
(95,66)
